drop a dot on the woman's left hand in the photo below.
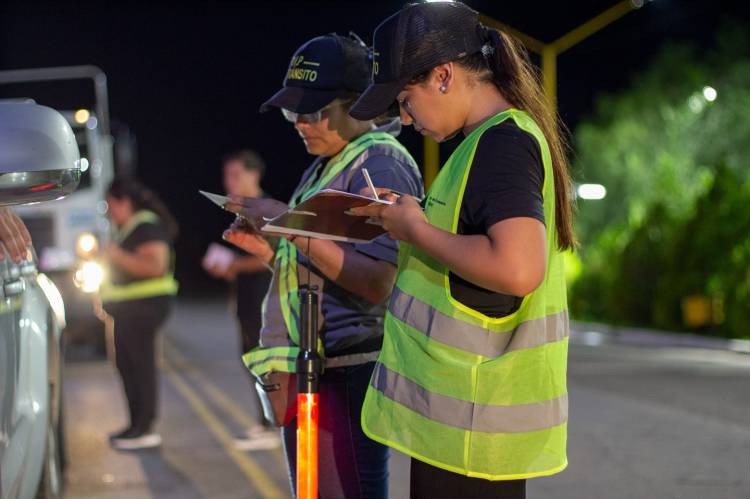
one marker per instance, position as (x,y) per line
(402,219)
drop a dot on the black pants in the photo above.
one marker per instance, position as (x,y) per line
(136,324)
(350,465)
(429,482)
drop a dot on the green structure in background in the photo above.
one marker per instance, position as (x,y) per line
(669,246)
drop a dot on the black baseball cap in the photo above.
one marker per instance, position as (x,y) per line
(416,39)
(322,69)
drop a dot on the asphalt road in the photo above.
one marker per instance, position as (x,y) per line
(656,422)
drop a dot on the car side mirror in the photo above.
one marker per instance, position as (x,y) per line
(39,158)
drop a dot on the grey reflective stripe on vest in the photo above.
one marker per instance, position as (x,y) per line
(272,358)
(471,338)
(354,359)
(467,415)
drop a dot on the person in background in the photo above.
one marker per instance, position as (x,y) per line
(139,296)
(249,277)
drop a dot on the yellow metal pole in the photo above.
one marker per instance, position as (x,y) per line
(593,25)
(549,75)
(431,161)
(530,42)
(549,53)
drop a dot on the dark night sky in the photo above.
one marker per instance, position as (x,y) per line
(188,80)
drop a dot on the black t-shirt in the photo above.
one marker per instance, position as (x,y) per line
(505,181)
(143,233)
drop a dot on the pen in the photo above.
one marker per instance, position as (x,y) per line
(369,183)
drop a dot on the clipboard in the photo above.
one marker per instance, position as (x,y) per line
(326,216)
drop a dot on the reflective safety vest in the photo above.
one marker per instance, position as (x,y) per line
(282,358)
(145,288)
(479,396)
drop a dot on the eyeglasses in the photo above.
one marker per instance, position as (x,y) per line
(405,105)
(315,117)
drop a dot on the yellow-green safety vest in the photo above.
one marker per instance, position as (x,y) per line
(479,396)
(146,288)
(282,358)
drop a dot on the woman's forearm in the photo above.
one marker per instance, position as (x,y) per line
(137,266)
(504,268)
(149,260)
(366,277)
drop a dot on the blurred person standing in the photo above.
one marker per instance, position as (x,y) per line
(249,277)
(139,295)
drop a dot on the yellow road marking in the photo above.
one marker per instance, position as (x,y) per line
(218,396)
(249,467)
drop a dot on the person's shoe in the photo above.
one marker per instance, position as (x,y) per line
(124,433)
(138,440)
(258,438)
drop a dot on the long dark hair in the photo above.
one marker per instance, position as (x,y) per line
(505,63)
(144,198)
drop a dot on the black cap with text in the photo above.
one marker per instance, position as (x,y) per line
(412,41)
(322,69)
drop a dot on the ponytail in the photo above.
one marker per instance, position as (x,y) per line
(505,63)
(143,198)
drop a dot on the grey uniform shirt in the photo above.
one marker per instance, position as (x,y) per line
(348,323)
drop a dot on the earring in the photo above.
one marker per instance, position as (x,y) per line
(443,88)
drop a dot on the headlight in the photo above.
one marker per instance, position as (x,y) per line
(86,244)
(89,277)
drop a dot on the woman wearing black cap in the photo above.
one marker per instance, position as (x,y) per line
(471,380)
(324,78)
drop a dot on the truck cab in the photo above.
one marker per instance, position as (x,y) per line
(68,232)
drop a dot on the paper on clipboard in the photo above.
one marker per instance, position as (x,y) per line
(325,216)
(254,211)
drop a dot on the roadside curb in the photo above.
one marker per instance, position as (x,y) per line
(592,333)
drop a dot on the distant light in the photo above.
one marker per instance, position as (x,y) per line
(84,164)
(89,277)
(91,123)
(86,244)
(696,103)
(82,116)
(591,191)
(710,94)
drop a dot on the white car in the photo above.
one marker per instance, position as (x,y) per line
(39,161)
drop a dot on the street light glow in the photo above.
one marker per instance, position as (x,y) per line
(696,103)
(591,191)
(710,94)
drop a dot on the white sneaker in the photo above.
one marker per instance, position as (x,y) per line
(258,438)
(143,441)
